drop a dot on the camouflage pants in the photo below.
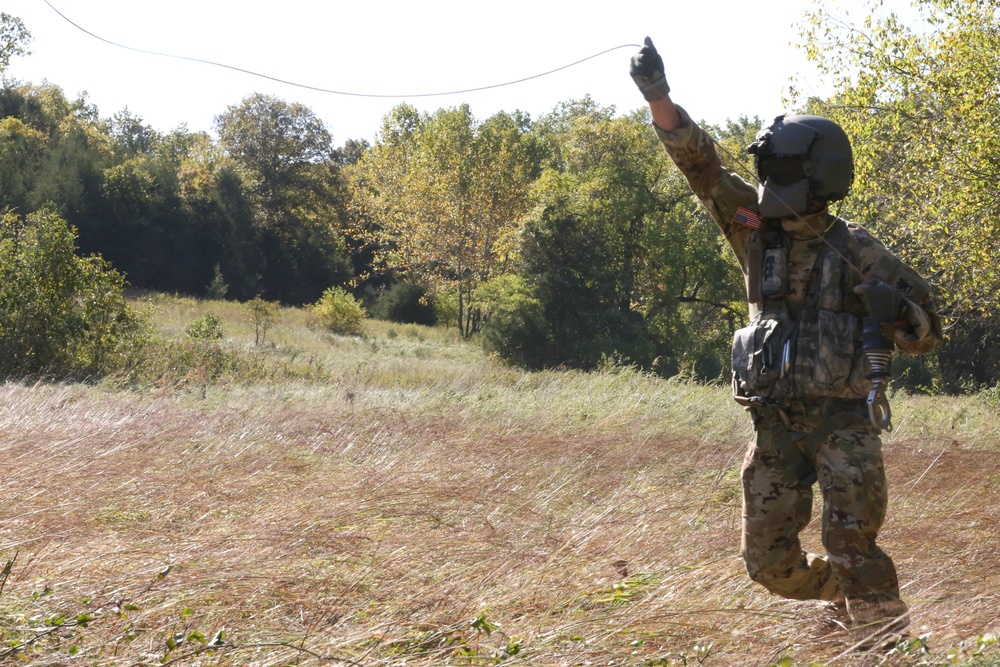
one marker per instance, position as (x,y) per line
(776,509)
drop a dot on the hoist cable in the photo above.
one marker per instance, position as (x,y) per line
(328,90)
(387,95)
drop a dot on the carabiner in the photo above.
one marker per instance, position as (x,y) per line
(879,411)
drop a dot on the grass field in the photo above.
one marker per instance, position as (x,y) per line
(399,498)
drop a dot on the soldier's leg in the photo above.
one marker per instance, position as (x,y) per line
(852,478)
(775,510)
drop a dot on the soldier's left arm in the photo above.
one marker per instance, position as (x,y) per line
(919,328)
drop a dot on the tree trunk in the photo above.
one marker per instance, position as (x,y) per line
(461,313)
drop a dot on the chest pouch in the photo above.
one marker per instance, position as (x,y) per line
(827,361)
(812,358)
(759,356)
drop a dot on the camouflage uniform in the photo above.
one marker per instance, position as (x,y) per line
(826,425)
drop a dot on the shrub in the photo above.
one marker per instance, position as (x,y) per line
(405,303)
(64,316)
(339,312)
(514,322)
(208,327)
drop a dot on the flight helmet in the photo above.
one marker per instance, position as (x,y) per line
(801,160)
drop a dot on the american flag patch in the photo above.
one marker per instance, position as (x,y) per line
(746,217)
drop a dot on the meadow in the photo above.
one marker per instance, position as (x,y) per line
(400,498)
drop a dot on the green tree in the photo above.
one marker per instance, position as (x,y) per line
(371,181)
(62,165)
(283,154)
(262,315)
(921,105)
(696,291)
(141,219)
(163,209)
(218,235)
(514,324)
(217,287)
(446,193)
(64,316)
(14,39)
(21,151)
(351,151)
(130,135)
(172,208)
(277,146)
(619,254)
(567,263)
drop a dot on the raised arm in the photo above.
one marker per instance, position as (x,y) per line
(647,72)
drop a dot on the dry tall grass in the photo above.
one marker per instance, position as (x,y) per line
(422,505)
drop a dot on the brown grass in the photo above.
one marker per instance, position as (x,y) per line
(371,519)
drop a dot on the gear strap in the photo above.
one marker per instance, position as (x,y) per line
(799,457)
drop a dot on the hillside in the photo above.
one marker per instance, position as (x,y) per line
(399,498)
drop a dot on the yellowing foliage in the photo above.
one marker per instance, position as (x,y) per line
(447,193)
(921,104)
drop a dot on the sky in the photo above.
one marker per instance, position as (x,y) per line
(723,58)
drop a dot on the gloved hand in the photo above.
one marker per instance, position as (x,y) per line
(880,298)
(884,303)
(647,72)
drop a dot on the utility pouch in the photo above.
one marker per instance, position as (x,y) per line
(827,361)
(757,356)
(774,281)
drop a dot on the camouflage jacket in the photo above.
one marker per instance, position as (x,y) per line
(804,341)
(723,193)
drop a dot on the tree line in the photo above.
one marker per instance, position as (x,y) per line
(565,240)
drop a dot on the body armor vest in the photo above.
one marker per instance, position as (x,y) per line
(808,350)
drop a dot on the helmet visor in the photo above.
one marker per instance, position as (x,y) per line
(782,170)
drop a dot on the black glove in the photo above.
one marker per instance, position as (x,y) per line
(884,304)
(647,72)
(882,300)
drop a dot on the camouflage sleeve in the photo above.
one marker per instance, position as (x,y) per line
(921,331)
(719,190)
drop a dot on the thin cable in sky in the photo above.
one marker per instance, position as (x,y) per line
(327,90)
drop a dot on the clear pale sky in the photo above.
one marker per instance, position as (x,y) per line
(724,58)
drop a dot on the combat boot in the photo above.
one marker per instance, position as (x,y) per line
(832,620)
(877,624)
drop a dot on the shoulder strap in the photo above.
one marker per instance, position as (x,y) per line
(835,238)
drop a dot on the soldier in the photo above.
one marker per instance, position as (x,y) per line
(826,301)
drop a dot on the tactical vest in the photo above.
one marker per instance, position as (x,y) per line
(815,352)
